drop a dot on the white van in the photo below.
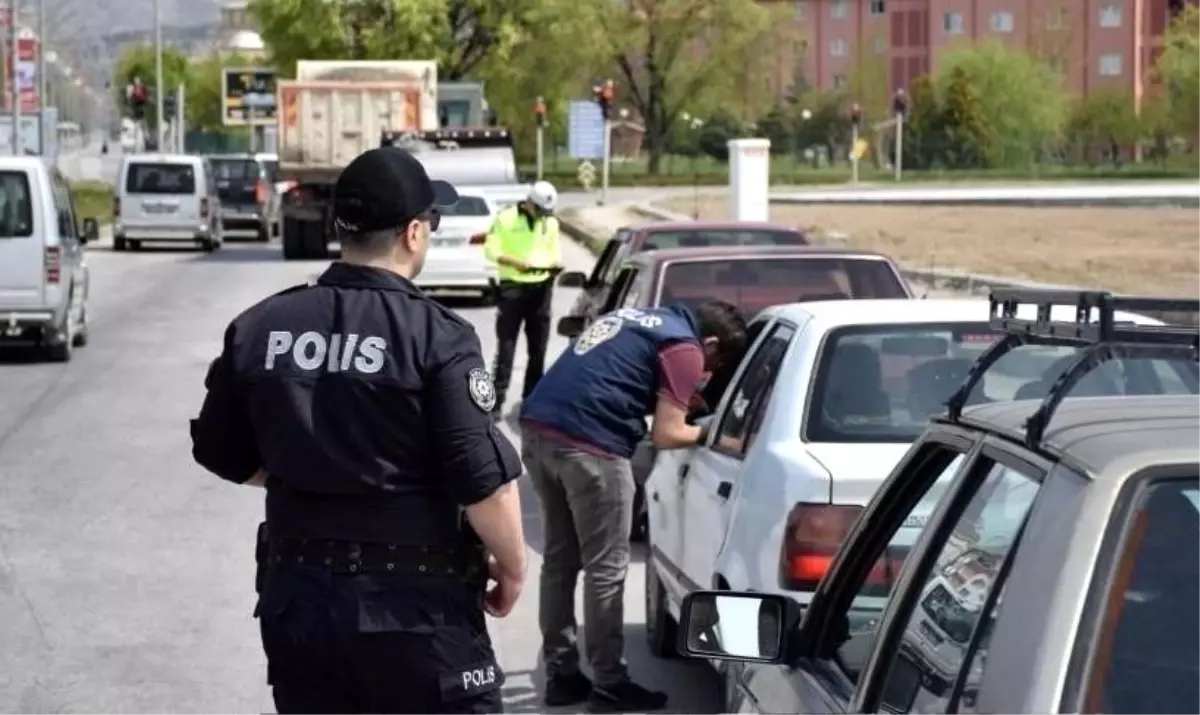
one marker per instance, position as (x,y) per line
(166,198)
(43,272)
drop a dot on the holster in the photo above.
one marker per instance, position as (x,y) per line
(261,551)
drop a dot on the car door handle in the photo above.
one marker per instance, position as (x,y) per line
(683,471)
(724,489)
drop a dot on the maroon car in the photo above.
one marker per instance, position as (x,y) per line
(630,241)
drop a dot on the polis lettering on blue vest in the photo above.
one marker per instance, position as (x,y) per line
(479,677)
(336,352)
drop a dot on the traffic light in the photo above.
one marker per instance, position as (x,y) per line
(856,115)
(604,93)
(539,111)
(900,103)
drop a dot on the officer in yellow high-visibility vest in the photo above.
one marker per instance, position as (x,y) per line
(523,243)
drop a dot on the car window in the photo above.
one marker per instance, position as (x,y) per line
(722,237)
(617,292)
(950,606)
(752,284)
(467,206)
(63,210)
(613,269)
(882,383)
(16,209)
(160,178)
(633,291)
(603,262)
(1146,656)
(738,426)
(235,169)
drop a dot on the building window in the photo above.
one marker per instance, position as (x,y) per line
(839,9)
(1002,22)
(952,23)
(798,10)
(837,47)
(1110,65)
(1056,19)
(1110,16)
(839,81)
(880,45)
(877,7)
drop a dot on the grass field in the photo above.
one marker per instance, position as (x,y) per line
(93,199)
(1133,250)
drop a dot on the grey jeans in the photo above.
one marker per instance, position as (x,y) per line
(587,511)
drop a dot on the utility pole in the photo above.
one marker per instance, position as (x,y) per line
(158,77)
(43,130)
(539,110)
(14,77)
(180,121)
(900,108)
(604,94)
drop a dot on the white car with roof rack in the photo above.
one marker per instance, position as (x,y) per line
(826,402)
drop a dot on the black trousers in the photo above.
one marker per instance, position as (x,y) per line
(376,643)
(517,304)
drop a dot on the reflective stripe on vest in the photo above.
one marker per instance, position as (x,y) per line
(511,236)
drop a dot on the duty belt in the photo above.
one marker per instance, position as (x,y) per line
(353,557)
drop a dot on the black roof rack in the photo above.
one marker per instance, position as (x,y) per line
(1095,328)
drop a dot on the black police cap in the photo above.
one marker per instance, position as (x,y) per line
(386,188)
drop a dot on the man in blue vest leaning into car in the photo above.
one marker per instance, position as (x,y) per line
(579,428)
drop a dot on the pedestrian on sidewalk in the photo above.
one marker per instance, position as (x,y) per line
(579,428)
(523,242)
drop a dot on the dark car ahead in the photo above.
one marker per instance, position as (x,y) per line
(245,183)
(667,235)
(751,277)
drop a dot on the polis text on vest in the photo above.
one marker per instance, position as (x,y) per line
(336,352)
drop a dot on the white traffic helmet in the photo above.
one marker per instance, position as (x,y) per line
(543,195)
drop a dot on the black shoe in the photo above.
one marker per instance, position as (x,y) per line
(626,697)
(567,689)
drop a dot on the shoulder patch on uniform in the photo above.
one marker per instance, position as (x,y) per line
(600,331)
(483,393)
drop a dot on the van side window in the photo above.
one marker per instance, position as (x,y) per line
(16,206)
(62,208)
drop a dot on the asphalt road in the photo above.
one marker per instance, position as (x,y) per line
(126,572)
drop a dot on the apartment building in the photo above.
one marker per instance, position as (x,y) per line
(1096,44)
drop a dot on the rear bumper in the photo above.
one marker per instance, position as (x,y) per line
(244,221)
(26,327)
(162,232)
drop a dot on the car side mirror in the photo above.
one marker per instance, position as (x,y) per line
(91,230)
(572,279)
(571,325)
(735,625)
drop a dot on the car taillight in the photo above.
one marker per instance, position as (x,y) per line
(204,208)
(261,192)
(811,540)
(53,264)
(298,194)
(116,207)
(478,239)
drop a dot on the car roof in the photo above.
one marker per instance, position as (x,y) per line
(152,158)
(872,311)
(1104,438)
(729,225)
(682,254)
(22,162)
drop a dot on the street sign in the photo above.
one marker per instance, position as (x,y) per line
(585,130)
(248,94)
(25,76)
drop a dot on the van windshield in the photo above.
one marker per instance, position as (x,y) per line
(16,213)
(161,179)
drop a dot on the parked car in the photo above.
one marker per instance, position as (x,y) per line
(1054,567)
(667,235)
(249,202)
(751,277)
(44,278)
(170,198)
(455,259)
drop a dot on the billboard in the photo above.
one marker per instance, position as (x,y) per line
(248,94)
(25,76)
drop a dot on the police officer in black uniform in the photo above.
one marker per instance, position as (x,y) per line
(363,408)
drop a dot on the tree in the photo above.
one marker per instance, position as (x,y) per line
(923,128)
(1022,98)
(459,34)
(676,55)
(1102,120)
(965,134)
(868,84)
(1179,68)
(139,61)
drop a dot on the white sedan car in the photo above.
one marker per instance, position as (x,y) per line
(455,260)
(827,399)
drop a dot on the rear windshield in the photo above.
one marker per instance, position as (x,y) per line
(16,212)
(756,283)
(235,169)
(762,237)
(161,179)
(466,206)
(882,383)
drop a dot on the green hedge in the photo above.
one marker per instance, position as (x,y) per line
(93,199)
